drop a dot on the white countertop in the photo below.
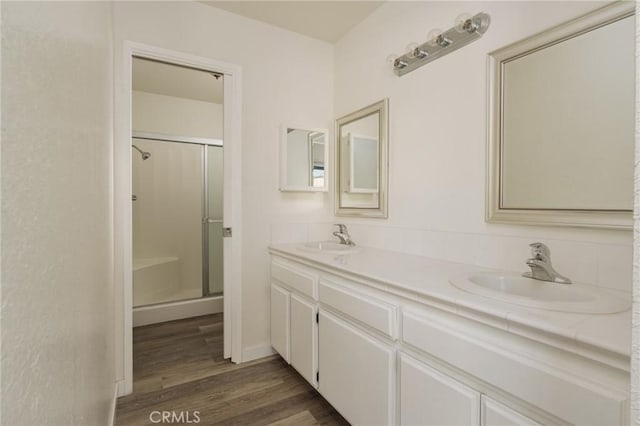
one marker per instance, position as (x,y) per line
(430,278)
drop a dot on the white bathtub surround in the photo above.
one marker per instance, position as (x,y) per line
(410,328)
(157,280)
(580,256)
(173,310)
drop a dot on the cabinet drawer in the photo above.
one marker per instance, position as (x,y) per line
(300,281)
(557,392)
(376,314)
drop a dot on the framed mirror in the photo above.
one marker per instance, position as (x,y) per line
(361,158)
(304,159)
(561,124)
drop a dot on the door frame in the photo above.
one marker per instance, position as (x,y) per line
(123,237)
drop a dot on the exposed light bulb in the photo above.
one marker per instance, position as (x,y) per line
(410,48)
(436,38)
(396,62)
(420,52)
(460,22)
(399,64)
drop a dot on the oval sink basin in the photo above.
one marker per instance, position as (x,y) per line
(327,247)
(576,297)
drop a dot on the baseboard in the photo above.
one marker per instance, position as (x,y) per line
(114,405)
(120,388)
(176,310)
(256,352)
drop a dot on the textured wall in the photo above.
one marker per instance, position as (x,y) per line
(635,334)
(57,318)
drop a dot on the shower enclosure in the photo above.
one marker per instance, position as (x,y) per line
(177,198)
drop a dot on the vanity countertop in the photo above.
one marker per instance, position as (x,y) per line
(426,278)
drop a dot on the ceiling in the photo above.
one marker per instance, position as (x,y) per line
(172,80)
(324,20)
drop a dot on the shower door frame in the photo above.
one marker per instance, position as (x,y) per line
(123,238)
(203,143)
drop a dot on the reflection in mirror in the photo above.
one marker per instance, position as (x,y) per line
(304,159)
(362,165)
(562,126)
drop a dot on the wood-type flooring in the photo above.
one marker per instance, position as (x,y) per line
(180,377)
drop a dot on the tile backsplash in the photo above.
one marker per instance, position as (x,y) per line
(604,264)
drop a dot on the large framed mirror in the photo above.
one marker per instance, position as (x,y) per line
(361,159)
(561,124)
(304,159)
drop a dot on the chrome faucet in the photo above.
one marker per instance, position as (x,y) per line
(540,264)
(343,234)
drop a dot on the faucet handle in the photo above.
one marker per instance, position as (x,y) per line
(540,251)
(342,228)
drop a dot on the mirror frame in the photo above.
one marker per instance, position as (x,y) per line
(382,108)
(284,187)
(494,213)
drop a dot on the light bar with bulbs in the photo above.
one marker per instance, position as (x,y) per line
(442,43)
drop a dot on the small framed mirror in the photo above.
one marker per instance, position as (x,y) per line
(304,159)
(361,158)
(561,124)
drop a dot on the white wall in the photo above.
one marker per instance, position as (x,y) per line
(437,144)
(176,116)
(287,78)
(57,276)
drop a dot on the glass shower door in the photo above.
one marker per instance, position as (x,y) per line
(214,271)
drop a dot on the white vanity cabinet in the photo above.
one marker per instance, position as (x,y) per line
(280,334)
(494,413)
(382,356)
(294,332)
(356,372)
(303,350)
(428,397)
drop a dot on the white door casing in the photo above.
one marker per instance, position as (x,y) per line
(232,247)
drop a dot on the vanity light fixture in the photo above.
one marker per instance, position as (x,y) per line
(466,30)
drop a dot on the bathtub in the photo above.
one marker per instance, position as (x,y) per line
(155,279)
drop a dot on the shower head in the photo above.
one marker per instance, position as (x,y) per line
(145,154)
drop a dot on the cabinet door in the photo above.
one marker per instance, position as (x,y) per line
(303,338)
(280,320)
(428,397)
(497,414)
(356,372)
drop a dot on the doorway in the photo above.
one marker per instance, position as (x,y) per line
(220,258)
(177,210)
(177,191)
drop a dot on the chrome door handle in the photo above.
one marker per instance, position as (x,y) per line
(210,220)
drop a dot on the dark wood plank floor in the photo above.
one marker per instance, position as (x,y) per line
(178,367)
